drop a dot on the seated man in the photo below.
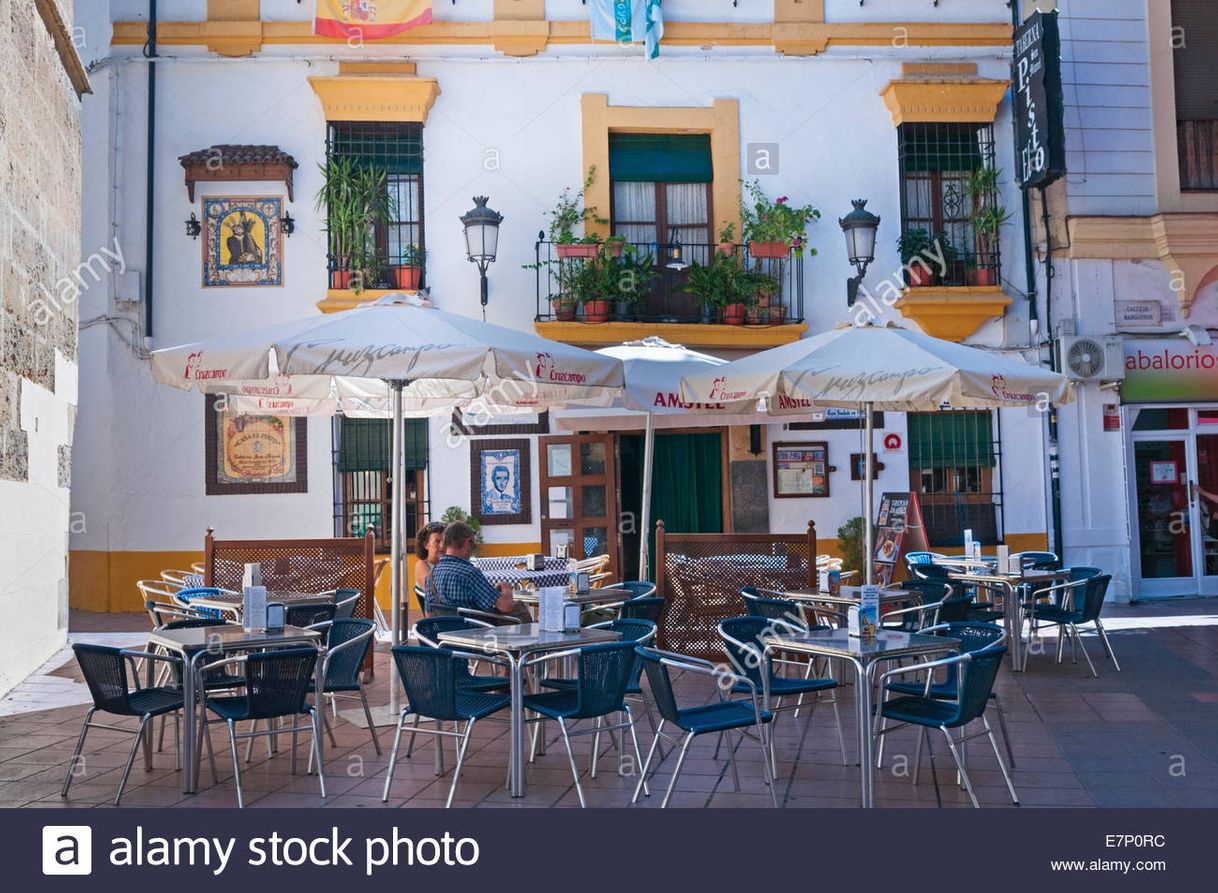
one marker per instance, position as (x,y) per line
(456,583)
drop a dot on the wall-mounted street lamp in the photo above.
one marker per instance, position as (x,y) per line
(193,227)
(482,239)
(859,226)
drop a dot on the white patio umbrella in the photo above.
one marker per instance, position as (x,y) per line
(397,356)
(880,367)
(652,399)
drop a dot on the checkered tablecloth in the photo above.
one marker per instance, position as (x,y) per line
(509,562)
(518,577)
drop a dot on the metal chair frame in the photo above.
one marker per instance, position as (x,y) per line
(1070,630)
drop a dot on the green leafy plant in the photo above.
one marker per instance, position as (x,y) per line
(456,513)
(850,544)
(913,243)
(412,256)
(987,225)
(636,273)
(728,233)
(777,220)
(355,201)
(717,284)
(570,211)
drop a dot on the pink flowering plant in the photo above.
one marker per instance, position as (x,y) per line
(777,220)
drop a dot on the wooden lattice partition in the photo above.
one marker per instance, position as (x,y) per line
(700,576)
(315,565)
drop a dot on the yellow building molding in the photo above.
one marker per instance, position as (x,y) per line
(794,38)
(1186,243)
(689,334)
(943,99)
(375,97)
(520,27)
(721,120)
(952,312)
(386,68)
(337,299)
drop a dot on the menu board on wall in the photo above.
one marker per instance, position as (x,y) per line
(898,530)
(801,469)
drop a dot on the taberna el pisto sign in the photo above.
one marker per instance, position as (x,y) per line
(1040,133)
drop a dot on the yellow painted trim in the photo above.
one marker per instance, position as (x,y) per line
(952,312)
(379,67)
(689,334)
(721,120)
(337,299)
(794,38)
(943,100)
(105,581)
(234,27)
(1186,243)
(520,27)
(375,97)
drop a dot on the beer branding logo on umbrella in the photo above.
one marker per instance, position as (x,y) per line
(547,369)
(193,372)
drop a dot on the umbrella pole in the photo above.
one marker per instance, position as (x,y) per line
(868,487)
(396,528)
(649,449)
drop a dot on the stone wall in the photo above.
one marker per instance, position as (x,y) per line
(39,257)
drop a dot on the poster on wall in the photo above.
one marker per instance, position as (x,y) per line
(254,453)
(242,241)
(801,469)
(1169,370)
(499,481)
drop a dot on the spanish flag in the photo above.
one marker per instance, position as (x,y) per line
(369,19)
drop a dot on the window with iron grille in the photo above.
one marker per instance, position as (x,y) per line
(954,466)
(396,244)
(949,196)
(363,482)
(1196,21)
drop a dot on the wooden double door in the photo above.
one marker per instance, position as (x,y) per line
(579,498)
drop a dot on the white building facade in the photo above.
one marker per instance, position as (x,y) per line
(819,102)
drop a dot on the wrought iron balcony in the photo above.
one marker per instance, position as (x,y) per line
(650,282)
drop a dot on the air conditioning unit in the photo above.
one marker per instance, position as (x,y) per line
(1091,358)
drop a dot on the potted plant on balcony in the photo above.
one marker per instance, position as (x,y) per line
(727,240)
(987,227)
(914,246)
(713,285)
(636,273)
(570,212)
(409,268)
(952,273)
(594,285)
(355,202)
(774,228)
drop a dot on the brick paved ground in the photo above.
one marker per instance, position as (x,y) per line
(1147,736)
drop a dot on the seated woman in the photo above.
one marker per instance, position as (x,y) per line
(427,549)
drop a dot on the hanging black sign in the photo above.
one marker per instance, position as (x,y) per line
(1040,135)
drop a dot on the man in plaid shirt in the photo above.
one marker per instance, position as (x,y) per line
(456,583)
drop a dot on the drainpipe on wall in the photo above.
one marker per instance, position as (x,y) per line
(150,164)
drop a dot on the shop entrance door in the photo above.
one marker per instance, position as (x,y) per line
(579,497)
(1175,482)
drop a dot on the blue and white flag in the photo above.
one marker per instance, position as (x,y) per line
(629,21)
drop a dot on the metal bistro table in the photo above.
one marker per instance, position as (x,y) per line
(1012,604)
(231,603)
(608,595)
(198,642)
(864,654)
(517,643)
(846,597)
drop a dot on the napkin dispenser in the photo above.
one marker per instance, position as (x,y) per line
(253,608)
(555,612)
(276,616)
(579,582)
(535,562)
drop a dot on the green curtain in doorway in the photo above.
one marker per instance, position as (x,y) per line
(687,486)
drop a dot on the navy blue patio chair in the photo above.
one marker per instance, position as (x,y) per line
(1074,603)
(342,669)
(972,637)
(647,608)
(1040,561)
(975,674)
(106,672)
(723,715)
(638,588)
(744,640)
(431,679)
(277,685)
(345,602)
(603,674)
(308,615)
(1083,572)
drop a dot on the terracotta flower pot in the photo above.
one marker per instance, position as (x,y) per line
(576,249)
(727,249)
(769,249)
(778,315)
(919,276)
(616,247)
(564,311)
(986,276)
(342,278)
(755,316)
(407,278)
(733,314)
(596,311)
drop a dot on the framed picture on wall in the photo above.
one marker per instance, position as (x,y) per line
(801,469)
(253,453)
(500,482)
(242,241)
